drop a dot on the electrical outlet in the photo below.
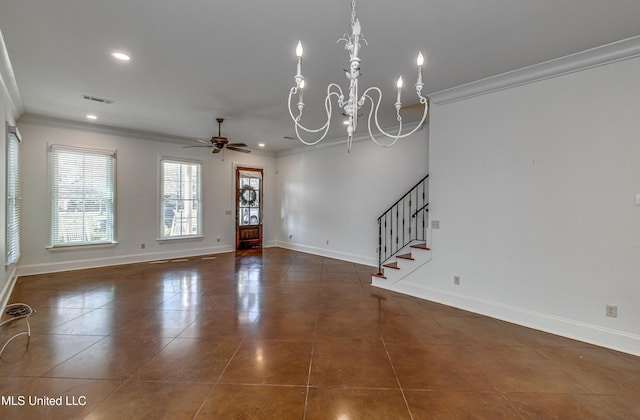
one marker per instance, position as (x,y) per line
(435,224)
(612,311)
(143,246)
(456,280)
(327,242)
(290,236)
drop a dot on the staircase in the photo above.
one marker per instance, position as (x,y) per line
(403,264)
(402,234)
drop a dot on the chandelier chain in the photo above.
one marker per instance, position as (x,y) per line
(353,12)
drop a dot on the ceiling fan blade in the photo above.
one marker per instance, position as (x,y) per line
(237,149)
(209,145)
(237,145)
(216,150)
(203,141)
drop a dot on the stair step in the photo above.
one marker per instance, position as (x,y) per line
(395,270)
(393,265)
(405,257)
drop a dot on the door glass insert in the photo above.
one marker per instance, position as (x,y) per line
(249,197)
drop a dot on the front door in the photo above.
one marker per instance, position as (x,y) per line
(248,208)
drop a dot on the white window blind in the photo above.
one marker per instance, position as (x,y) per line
(181,212)
(82,196)
(13,195)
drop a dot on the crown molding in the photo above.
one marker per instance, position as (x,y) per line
(8,80)
(37,119)
(360,137)
(594,57)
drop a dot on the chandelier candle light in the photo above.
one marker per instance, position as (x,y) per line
(353,104)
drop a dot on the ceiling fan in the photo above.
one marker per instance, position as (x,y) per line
(218,143)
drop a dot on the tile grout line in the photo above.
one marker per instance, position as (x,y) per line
(313,347)
(404,397)
(125,381)
(217,382)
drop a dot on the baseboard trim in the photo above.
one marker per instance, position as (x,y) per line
(44,268)
(565,327)
(8,287)
(345,256)
(32,269)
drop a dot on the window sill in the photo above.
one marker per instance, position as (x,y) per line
(180,238)
(70,247)
(9,264)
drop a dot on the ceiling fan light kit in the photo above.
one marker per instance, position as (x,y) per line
(352,104)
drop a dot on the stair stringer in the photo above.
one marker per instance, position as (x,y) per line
(405,266)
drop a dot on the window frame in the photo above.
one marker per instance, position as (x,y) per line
(13,232)
(53,152)
(161,225)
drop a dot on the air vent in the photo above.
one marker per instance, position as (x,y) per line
(96,99)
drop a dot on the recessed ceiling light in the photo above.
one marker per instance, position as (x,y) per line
(261,144)
(120,56)
(92,117)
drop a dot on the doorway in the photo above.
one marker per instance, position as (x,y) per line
(248,207)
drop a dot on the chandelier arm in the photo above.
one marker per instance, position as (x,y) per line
(373,112)
(328,109)
(422,100)
(338,93)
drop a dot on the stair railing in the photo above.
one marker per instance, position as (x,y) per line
(405,221)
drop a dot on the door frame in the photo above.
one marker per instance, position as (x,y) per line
(236,177)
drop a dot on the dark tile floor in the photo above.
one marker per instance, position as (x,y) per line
(277,334)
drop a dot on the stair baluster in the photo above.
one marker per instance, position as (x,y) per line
(415,208)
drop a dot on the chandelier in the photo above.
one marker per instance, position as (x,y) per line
(352,103)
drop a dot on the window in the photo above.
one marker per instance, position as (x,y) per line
(82,196)
(181,212)
(13,195)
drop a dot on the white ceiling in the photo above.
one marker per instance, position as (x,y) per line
(195,60)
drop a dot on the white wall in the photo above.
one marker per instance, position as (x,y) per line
(534,187)
(137,216)
(330,195)
(7,114)
(315,195)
